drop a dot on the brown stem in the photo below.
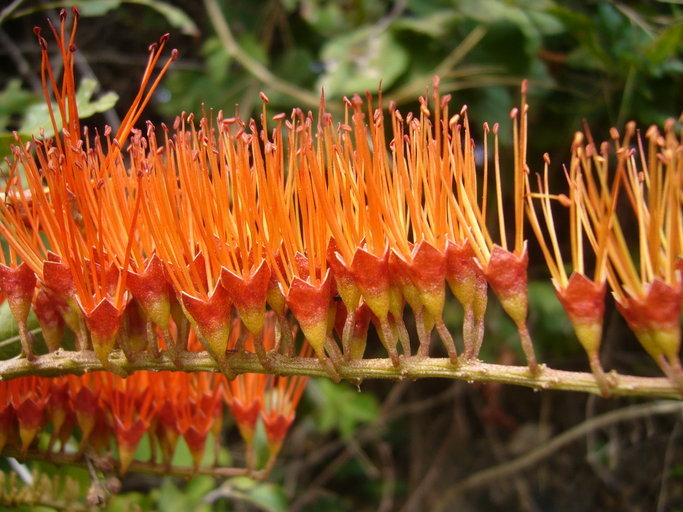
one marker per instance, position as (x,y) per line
(389,341)
(422,336)
(26,341)
(151,333)
(71,362)
(447,341)
(469,334)
(528,347)
(349,326)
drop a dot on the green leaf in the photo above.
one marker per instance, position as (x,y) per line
(190,498)
(174,15)
(263,495)
(217,59)
(13,100)
(360,60)
(96,8)
(437,24)
(668,44)
(342,408)
(253,47)
(38,116)
(6,142)
(10,344)
(9,333)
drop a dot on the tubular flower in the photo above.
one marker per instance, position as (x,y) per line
(132,408)
(648,293)
(83,200)
(228,236)
(505,270)
(273,399)
(103,409)
(581,296)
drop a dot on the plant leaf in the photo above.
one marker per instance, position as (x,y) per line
(174,15)
(37,116)
(360,60)
(342,407)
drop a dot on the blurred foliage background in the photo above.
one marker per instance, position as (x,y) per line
(401,446)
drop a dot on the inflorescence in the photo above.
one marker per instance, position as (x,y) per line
(241,234)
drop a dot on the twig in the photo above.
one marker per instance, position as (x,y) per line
(7,11)
(416,500)
(668,458)
(15,339)
(416,85)
(389,478)
(23,66)
(72,362)
(501,471)
(253,67)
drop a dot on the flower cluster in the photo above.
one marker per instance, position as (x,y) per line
(141,240)
(647,290)
(98,409)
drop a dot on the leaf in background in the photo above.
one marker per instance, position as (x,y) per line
(360,60)
(668,44)
(10,345)
(96,8)
(552,329)
(342,408)
(189,499)
(37,116)
(528,16)
(437,24)
(13,101)
(253,47)
(262,495)
(217,60)
(6,142)
(174,15)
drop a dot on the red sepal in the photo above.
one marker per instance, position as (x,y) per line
(507,273)
(86,406)
(103,322)
(464,276)
(151,289)
(17,285)
(583,299)
(48,307)
(249,294)
(654,318)
(346,286)
(428,268)
(57,276)
(211,318)
(276,427)
(196,442)
(245,415)
(371,275)
(127,437)
(309,305)
(401,277)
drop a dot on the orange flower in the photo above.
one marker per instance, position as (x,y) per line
(89,230)
(581,296)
